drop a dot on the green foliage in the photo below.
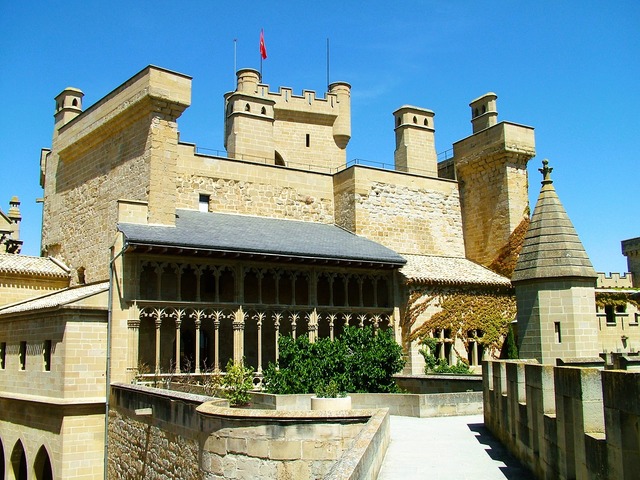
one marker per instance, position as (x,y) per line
(359,360)
(329,390)
(237,383)
(509,347)
(434,365)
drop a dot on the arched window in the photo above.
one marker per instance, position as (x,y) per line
(426,122)
(415,120)
(75,102)
(19,461)
(42,465)
(475,112)
(263,111)
(279,160)
(247,108)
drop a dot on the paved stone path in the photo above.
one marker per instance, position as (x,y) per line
(455,448)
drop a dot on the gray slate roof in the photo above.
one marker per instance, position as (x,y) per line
(27,265)
(551,248)
(260,235)
(56,299)
(431,269)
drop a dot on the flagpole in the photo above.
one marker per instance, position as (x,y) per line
(235,58)
(328,64)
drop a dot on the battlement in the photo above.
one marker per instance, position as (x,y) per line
(614,280)
(283,126)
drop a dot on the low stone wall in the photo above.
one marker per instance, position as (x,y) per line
(157,433)
(441,383)
(565,422)
(404,404)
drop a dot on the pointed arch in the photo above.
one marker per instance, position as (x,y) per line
(42,465)
(19,461)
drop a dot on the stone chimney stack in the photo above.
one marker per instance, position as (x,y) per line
(484,112)
(415,141)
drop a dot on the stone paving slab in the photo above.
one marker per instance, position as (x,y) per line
(447,448)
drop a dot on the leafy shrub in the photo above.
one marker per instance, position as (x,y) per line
(434,365)
(359,360)
(237,383)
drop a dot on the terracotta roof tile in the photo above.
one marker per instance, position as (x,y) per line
(26,265)
(450,271)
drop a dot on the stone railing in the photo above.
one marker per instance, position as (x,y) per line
(565,422)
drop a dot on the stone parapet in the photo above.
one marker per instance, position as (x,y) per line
(565,422)
(176,435)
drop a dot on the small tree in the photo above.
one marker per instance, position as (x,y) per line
(510,348)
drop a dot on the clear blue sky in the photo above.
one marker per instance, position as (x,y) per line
(571,69)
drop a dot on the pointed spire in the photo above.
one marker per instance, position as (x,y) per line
(551,246)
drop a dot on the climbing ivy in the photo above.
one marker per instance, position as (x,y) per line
(617,299)
(488,313)
(505,261)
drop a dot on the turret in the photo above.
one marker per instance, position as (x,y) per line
(342,125)
(68,107)
(491,166)
(415,141)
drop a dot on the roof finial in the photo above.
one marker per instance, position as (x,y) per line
(546,172)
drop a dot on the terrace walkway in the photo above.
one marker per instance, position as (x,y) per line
(447,448)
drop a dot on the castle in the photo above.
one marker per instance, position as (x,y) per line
(170,260)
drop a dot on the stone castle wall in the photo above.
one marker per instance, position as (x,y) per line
(80,198)
(407,213)
(253,189)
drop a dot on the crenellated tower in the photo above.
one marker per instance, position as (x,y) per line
(286,129)
(491,167)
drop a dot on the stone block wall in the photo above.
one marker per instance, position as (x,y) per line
(565,422)
(407,213)
(253,189)
(77,355)
(72,436)
(186,438)
(15,288)
(124,146)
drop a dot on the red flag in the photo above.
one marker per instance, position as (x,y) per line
(263,48)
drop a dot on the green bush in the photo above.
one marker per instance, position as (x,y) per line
(237,383)
(359,360)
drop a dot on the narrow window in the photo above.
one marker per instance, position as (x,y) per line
(263,111)
(415,120)
(203,202)
(247,108)
(308,140)
(3,355)
(46,355)
(558,332)
(610,313)
(23,355)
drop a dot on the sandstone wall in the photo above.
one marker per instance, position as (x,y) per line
(71,435)
(16,288)
(407,213)
(253,189)
(184,439)
(565,422)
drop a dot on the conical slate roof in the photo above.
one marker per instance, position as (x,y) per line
(551,246)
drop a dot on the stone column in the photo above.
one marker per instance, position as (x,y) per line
(158,321)
(134,343)
(312,319)
(238,335)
